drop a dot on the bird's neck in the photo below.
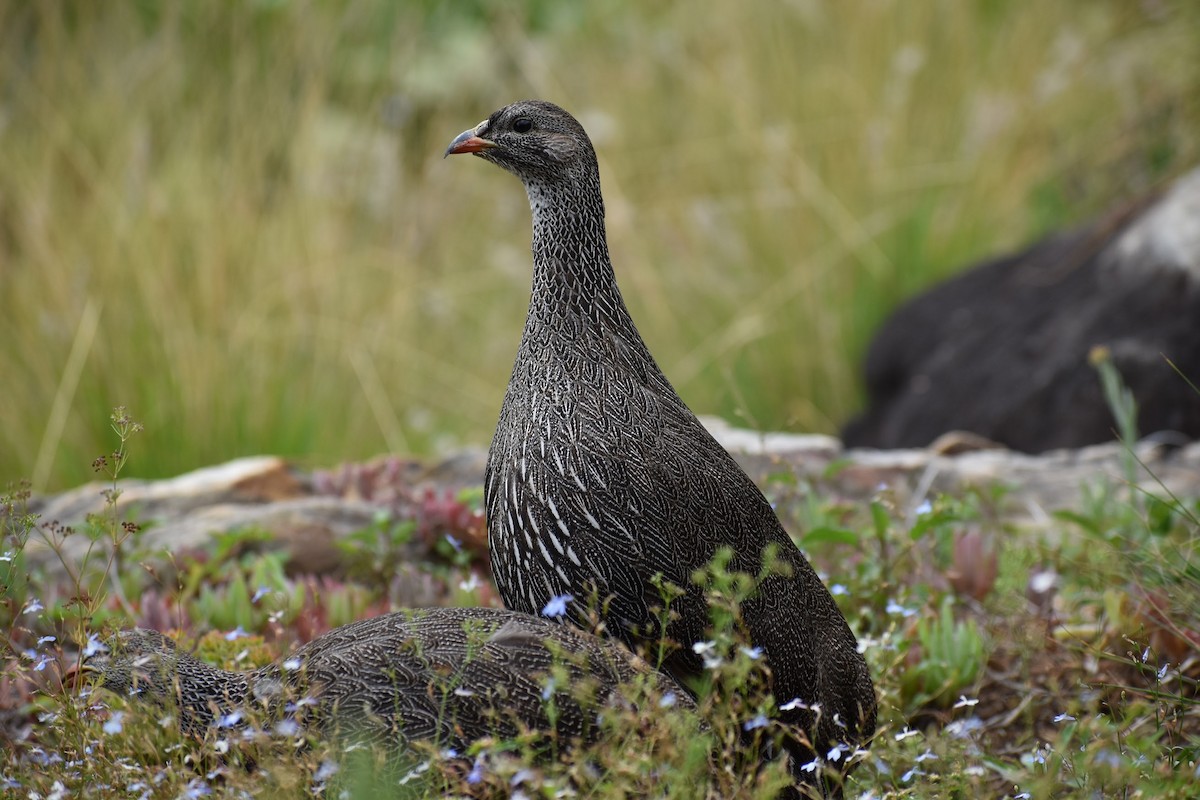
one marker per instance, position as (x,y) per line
(572,272)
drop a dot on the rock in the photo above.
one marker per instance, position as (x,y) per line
(307,515)
(1002,350)
(1037,484)
(186,512)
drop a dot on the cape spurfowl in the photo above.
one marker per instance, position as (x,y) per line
(599,478)
(447,675)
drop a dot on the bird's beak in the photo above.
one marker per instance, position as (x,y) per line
(77,674)
(469,141)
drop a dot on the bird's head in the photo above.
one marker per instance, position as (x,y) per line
(134,662)
(537,141)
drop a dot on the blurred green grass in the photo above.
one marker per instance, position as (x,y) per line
(233,218)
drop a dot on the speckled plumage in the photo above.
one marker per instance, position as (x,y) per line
(599,477)
(448,675)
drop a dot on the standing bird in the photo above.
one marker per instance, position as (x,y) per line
(601,483)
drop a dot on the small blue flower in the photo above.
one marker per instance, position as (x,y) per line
(811,766)
(548,689)
(326,771)
(752,653)
(196,788)
(94,645)
(912,773)
(287,727)
(793,704)
(259,593)
(928,755)
(758,722)
(906,734)
(964,702)
(292,664)
(667,700)
(835,753)
(925,508)
(455,543)
(230,720)
(557,606)
(838,590)
(114,724)
(895,608)
(47,640)
(1064,718)
(1162,673)
(964,728)
(476,774)
(236,633)
(32,606)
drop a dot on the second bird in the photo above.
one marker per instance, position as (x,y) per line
(600,478)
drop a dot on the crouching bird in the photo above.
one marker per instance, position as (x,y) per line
(449,676)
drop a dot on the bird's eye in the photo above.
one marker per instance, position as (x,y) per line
(523,125)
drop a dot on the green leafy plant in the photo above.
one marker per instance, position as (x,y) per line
(948,657)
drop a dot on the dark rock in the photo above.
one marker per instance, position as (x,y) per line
(1002,350)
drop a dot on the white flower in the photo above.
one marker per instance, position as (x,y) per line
(708,652)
